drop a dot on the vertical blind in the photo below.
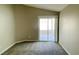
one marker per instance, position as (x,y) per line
(47,23)
(47,28)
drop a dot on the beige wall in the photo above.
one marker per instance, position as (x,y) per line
(27,21)
(7,37)
(69,29)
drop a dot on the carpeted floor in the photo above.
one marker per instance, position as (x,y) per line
(36,48)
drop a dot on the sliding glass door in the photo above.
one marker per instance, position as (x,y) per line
(47,28)
(43,29)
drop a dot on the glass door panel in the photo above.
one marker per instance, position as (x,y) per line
(43,29)
(47,29)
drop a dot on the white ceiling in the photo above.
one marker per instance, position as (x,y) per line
(52,7)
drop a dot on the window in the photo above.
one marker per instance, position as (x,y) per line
(47,23)
(46,28)
(43,24)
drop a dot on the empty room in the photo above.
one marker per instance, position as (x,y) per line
(39,29)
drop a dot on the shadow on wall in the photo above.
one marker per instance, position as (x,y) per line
(27,21)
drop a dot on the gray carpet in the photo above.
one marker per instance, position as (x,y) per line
(36,48)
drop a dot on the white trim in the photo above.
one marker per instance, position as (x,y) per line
(13,45)
(64,49)
(7,48)
(31,40)
(16,43)
(25,40)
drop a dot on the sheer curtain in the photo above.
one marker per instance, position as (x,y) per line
(47,28)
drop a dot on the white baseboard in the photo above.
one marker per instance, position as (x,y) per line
(7,48)
(64,48)
(31,40)
(16,43)
(25,41)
